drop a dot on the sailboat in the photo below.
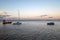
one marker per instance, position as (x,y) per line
(18,23)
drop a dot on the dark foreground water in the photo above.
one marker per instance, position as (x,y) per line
(30,30)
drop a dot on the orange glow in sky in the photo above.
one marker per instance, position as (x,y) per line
(30,8)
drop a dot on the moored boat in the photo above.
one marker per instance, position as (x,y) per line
(6,22)
(17,23)
(51,23)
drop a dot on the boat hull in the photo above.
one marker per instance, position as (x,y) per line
(50,23)
(17,23)
(7,22)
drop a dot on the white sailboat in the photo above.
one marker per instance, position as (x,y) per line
(18,23)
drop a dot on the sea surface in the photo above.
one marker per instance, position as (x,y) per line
(30,30)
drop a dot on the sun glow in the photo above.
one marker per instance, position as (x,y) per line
(32,15)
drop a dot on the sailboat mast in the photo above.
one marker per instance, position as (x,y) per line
(18,15)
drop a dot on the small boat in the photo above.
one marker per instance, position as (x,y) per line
(6,22)
(50,23)
(17,23)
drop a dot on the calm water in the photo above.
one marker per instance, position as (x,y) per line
(30,30)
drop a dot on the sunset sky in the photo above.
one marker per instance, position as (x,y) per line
(31,8)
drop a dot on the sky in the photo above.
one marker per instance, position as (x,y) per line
(31,8)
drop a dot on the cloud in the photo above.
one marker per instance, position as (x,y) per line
(43,15)
(50,17)
(4,14)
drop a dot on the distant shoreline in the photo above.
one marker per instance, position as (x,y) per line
(32,20)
